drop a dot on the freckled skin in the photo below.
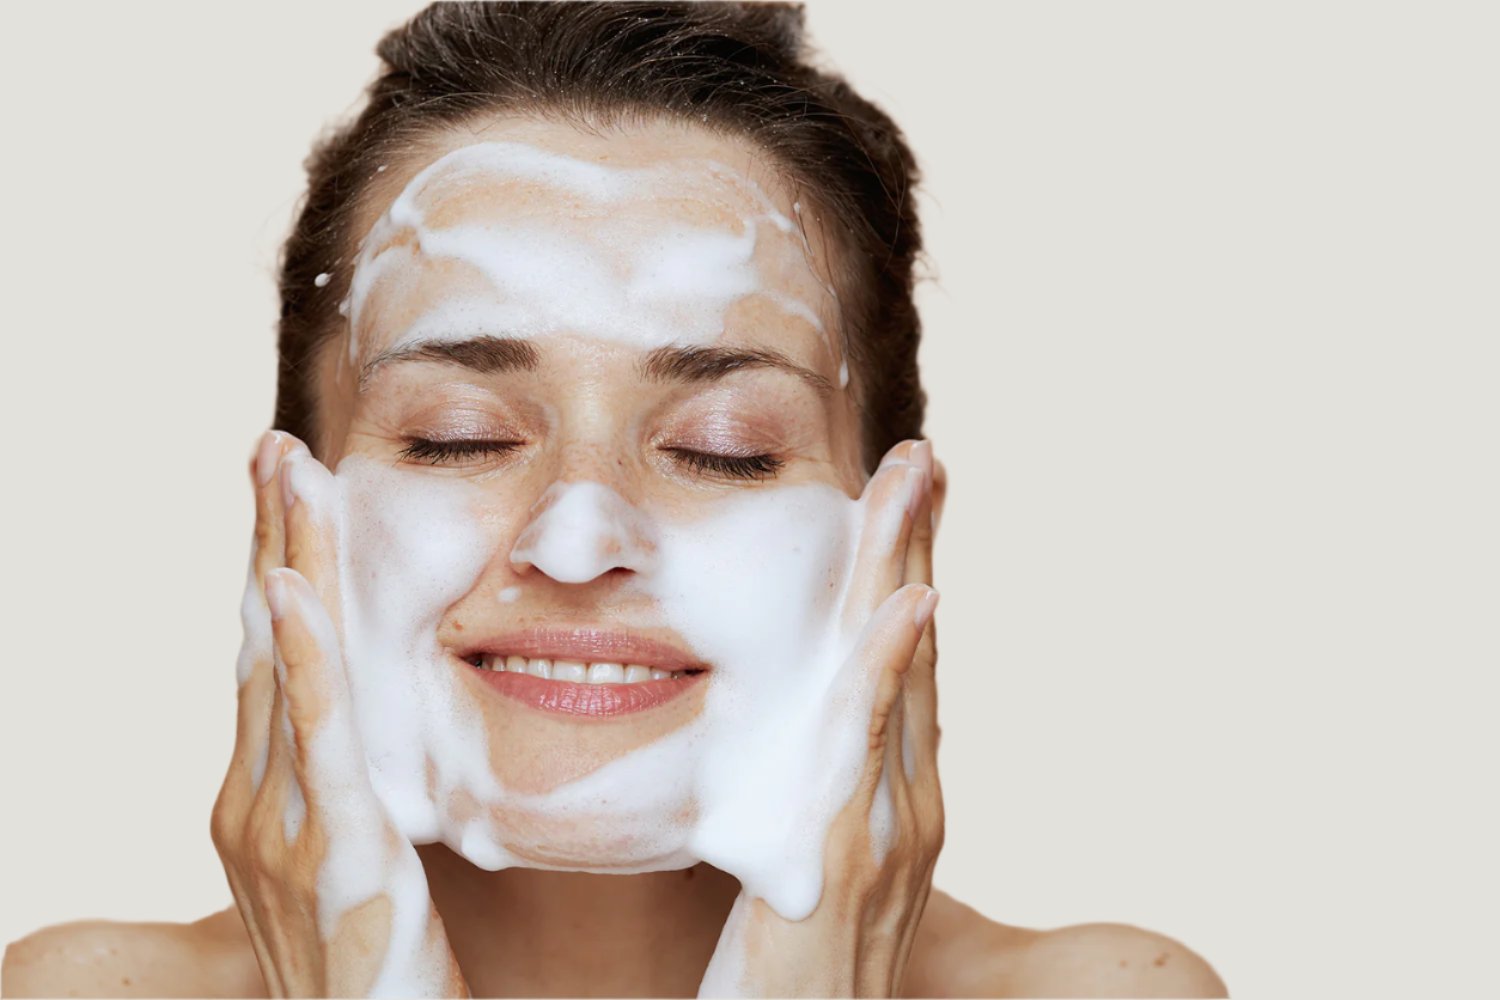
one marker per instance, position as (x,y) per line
(584,411)
(519,931)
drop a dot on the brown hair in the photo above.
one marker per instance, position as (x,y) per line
(739,68)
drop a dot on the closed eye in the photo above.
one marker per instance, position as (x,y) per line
(433,452)
(439,452)
(757,467)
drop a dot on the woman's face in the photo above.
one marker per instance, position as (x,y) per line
(591,409)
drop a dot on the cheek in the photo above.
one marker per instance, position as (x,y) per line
(411,546)
(417,543)
(754,586)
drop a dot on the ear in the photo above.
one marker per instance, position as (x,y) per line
(939,493)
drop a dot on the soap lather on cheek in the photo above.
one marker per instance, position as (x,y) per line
(745,582)
(746,586)
(413,547)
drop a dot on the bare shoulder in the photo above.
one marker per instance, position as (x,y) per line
(959,952)
(207,958)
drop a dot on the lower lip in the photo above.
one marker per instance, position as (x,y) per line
(593,700)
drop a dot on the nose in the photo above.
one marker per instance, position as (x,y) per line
(579,531)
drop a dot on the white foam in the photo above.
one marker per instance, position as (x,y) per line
(630,277)
(582,530)
(754,580)
(755,585)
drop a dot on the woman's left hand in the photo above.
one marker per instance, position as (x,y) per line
(882,847)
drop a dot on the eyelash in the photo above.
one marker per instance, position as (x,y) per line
(758,467)
(438,452)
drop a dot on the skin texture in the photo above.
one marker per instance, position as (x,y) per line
(957,953)
(586,412)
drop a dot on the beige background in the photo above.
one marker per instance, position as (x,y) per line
(1212,356)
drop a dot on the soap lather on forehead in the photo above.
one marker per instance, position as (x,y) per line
(509,238)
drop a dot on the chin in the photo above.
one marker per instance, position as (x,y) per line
(611,843)
(556,790)
(561,835)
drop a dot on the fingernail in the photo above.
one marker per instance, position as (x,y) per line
(925,607)
(921,457)
(275,595)
(889,458)
(266,456)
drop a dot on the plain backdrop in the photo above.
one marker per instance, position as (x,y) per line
(1211,347)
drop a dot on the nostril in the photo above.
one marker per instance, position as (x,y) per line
(582,531)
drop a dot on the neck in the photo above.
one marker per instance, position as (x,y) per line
(520,932)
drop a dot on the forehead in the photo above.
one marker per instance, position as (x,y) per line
(650,236)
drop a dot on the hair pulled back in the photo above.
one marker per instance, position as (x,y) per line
(738,68)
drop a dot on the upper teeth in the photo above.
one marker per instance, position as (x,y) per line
(577,671)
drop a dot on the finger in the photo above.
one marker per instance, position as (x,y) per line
(898,776)
(873,674)
(939,493)
(870,681)
(899,759)
(309,497)
(329,759)
(920,730)
(252,716)
(254,668)
(888,505)
(923,522)
(921,701)
(279,807)
(270,551)
(898,452)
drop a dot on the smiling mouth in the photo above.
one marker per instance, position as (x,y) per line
(584,672)
(576,671)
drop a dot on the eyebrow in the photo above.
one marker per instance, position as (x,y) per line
(709,364)
(489,354)
(485,354)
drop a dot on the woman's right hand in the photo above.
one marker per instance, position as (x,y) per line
(333,896)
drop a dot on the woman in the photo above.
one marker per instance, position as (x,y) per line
(593,552)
